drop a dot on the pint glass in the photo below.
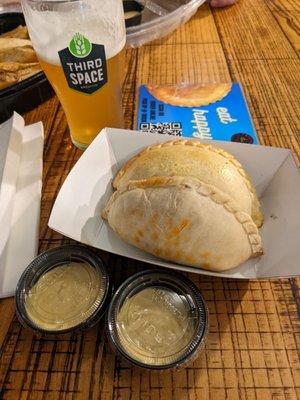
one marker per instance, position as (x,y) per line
(80,46)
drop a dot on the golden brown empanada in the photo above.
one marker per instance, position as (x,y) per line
(189,95)
(209,164)
(20,32)
(183,220)
(14,72)
(17,50)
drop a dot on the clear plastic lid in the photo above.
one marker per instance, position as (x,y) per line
(64,289)
(159,18)
(157,319)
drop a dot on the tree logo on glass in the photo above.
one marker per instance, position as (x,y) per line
(80,46)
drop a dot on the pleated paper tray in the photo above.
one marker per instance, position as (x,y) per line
(272,170)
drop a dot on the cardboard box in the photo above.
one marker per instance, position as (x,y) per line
(76,212)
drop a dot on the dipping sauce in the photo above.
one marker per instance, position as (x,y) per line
(63,290)
(64,297)
(131,14)
(157,320)
(154,326)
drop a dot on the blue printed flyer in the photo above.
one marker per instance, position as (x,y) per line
(217,112)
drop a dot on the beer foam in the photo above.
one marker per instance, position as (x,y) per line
(51,25)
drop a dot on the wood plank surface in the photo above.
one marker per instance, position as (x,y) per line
(287,5)
(250,31)
(253,347)
(289,22)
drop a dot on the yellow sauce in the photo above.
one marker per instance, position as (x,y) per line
(131,14)
(154,326)
(64,297)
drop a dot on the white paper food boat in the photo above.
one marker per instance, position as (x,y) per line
(76,212)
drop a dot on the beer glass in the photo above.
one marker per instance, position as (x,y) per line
(80,46)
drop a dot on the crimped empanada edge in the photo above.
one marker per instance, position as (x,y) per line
(202,189)
(179,142)
(217,150)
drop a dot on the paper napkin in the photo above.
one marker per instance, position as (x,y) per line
(20,196)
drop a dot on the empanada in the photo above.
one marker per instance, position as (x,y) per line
(183,220)
(20,32)
(209,164)
(14,72)
(17,50)
(190,95)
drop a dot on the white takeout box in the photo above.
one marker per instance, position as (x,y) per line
(76,212)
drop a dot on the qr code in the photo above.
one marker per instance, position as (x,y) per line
(164,128)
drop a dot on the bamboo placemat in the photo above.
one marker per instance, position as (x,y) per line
(252,351)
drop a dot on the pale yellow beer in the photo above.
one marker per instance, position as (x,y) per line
(87,114)
(80,45)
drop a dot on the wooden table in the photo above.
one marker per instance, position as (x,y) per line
(252,351)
